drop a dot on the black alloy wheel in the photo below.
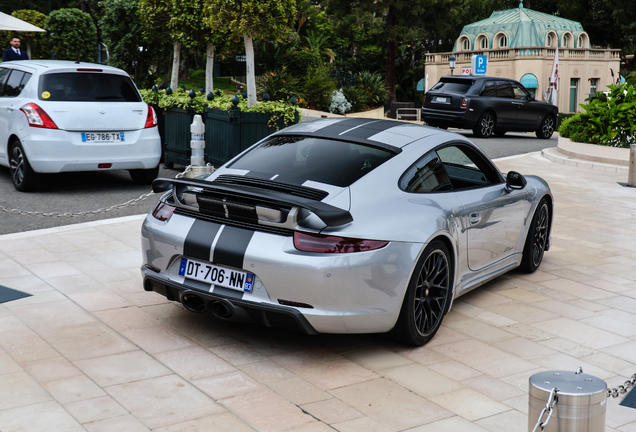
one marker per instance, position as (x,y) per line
(427,297)
(23,177)
(537,239)
(547,128)
(485,127)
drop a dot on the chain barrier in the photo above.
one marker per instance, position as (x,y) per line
(622,389)
(549,408)
(90,212)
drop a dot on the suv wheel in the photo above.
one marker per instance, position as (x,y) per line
(23,177)
(546,129)
(485,126)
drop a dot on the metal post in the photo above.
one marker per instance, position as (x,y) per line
(631,176)
(577,402)
(197,146)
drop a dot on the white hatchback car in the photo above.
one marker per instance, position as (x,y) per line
(61,116)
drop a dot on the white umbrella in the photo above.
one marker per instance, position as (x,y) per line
(11,23)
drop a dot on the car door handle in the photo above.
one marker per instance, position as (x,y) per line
(474,218)
(10,109)
(517,103)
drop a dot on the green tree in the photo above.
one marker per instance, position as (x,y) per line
(34,42)
(269,20)
(72,34)
(121,32)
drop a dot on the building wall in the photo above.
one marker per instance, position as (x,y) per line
(514,63)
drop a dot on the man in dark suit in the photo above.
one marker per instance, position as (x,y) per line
(14,53)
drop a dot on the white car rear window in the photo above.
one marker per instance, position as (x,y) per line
(86,87)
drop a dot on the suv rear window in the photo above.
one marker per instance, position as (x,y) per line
(298,159)
(83,86)
(453,85)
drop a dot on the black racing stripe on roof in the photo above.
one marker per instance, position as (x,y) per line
(357,130)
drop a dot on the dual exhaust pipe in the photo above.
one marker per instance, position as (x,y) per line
(195,303)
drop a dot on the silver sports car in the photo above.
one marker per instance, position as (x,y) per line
(344,226)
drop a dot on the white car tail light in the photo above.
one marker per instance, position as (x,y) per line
(332,244)
(151,119)
(37,117)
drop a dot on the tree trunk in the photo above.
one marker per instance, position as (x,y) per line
(390,56)
(174,79)
(251,78)
(209,69)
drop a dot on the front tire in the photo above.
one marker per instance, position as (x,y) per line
(23,177)
(537,239)
(144,176)
(485,127)
(546,129)
(427,297)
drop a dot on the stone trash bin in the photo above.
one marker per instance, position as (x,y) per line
(581,401)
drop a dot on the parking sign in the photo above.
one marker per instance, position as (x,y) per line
(479,64)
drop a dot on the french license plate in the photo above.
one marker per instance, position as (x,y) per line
(220,276)
(440,99)
(102,137)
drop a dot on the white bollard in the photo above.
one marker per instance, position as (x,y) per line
(631,175)
(197,146)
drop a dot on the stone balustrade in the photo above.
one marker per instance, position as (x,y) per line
(525,53)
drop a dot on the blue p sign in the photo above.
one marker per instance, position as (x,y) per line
(480,63)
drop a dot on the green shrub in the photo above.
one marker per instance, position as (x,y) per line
(565,126)
(280,86)
(368,91)
(317,89)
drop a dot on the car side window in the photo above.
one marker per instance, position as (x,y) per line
(490,90)
(504,90)
(466,168)
(426,175)
(14,86)
(520,92)
(4,74)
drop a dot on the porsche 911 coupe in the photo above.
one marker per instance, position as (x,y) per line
(344,226)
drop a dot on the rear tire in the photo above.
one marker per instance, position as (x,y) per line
(144,176)
(23,177)
(546,129)
(427,297)
(485,127)
(537,238)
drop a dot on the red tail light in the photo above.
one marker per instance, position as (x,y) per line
(151,118)
(37,117)
(464,102)
(332,244)
(162,211)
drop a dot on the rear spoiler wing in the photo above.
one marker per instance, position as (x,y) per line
(330,215)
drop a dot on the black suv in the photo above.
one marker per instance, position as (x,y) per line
(488,106)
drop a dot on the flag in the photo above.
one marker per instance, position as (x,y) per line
(554,78)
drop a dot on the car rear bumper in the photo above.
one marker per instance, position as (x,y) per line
(55,151)
(460,119)
(358,292)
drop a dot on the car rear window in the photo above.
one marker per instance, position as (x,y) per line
(87,86)
(454,86)
(298,159)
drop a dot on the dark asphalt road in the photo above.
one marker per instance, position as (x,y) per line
(76,192)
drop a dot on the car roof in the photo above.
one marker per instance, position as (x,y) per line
(476,78)
(43,66)
(387,134)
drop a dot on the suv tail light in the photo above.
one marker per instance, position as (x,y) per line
(464,103)
(37,117)
(151,118)
(332,244)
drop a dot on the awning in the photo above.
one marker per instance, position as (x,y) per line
(10,23)
(529,81)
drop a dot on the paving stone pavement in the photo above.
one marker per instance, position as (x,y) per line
(91,351)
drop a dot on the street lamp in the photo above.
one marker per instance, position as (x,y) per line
(451,62)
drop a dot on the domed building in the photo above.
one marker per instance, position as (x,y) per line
(520,44)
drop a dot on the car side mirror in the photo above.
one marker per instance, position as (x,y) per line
(515,181)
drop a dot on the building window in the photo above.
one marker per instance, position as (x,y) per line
(593,86)
(550,40)
(566,41)
(465,44)
(574,94)
(581,42)
(483,43)
(503,41)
